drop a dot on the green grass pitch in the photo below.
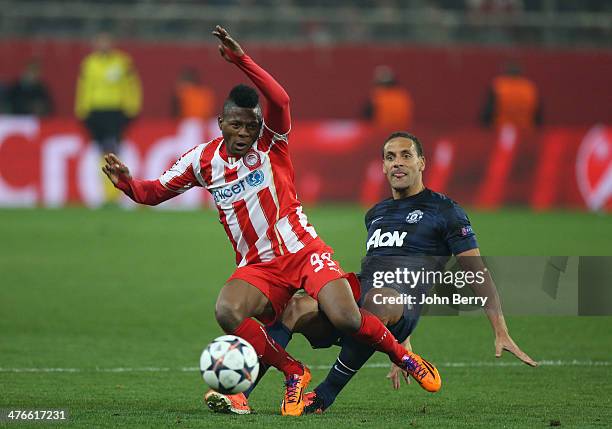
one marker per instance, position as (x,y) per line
(104,313)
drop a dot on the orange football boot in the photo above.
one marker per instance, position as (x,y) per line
(227,404)
(293,404)
(422,371)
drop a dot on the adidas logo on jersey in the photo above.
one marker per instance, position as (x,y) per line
(388,239)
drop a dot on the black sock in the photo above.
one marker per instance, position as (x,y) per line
(353,356)
(282,335)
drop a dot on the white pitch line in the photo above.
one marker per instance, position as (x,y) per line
(482,364)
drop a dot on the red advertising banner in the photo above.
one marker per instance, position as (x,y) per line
(51,163)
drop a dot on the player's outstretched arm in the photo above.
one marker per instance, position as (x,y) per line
(277,113)
(149,192)
(470,260)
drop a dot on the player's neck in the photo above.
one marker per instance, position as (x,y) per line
(399,194)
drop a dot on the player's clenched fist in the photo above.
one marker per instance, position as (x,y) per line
(228,44)
(115,169)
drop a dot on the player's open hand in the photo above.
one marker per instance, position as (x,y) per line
(395,371)
(228,44)
(115,169)
(394,376)
(504,342)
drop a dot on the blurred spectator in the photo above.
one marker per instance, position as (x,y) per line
(390,105)
(317,33)
(191,98)
(29,95)
(108,97)
(512,99)
(4,106)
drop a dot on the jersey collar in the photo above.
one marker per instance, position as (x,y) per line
(413,197)
(229,159)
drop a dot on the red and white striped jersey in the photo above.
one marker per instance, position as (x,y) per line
(255,195)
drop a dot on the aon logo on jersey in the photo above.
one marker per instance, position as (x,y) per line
(388,239)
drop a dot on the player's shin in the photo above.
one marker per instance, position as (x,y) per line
(270,352)
(297,376)
(353,356)
(282,335)
(374,333)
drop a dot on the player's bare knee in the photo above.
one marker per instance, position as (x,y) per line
(346,320)
(229,315)
(299,312)
(293,312)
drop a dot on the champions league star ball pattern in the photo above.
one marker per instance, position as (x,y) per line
(229,365)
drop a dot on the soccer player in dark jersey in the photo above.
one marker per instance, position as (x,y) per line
(416,228)
(404,230)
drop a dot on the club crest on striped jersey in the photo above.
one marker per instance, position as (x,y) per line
(255,178)
(251,159)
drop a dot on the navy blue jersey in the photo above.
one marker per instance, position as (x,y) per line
(420,232)
(427,223)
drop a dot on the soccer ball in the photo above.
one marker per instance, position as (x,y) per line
(229,364)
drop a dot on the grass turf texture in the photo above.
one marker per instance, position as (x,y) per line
(96,290)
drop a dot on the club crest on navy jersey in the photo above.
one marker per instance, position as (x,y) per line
(251,159)
(414,216)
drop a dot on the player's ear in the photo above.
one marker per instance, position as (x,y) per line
(220,120)
(421,163)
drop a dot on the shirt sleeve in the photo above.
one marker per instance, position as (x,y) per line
(174,181)
(277,115)
(458,232)
(149,192)
(368,217)
(181,176)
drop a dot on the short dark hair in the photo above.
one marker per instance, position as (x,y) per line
(417,144)
(241,96)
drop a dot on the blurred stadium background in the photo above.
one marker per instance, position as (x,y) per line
(93,320)
(444,54)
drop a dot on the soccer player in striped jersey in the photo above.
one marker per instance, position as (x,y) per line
(249,173)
